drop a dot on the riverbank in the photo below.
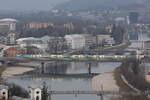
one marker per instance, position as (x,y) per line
(123,87)
(2,68)
(18,69)
(13,70)
(112,81)
(105,82)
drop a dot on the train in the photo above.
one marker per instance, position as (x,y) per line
(78,56)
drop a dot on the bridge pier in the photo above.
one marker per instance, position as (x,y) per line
(42,67)
(50,97)
(101,97)
(89,68)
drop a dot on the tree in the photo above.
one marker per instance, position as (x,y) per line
(118,34)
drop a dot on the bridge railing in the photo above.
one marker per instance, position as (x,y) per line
(99,92)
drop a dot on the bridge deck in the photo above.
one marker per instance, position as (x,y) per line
(94,92)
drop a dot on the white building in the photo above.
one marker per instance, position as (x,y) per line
(11,38)
(3,92)
(8,24)
(36,94)
(40,43)
(75,41)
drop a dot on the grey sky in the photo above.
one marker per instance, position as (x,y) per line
(20,5)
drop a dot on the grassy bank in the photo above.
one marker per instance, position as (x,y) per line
(124,88)
(2,68)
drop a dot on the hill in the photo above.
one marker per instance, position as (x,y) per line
(106,4)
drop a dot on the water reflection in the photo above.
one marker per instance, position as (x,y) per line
(64,67)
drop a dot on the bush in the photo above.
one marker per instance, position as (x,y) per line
(17,91)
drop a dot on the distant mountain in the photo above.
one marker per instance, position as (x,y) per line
(107,4)
(29,5)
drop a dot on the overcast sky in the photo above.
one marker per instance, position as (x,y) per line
(20,5)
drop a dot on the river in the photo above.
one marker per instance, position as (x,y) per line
(70,83)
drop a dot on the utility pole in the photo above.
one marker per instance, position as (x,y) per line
(101,95)
(44,92)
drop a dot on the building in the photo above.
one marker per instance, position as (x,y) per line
(35,25)
(108,28)
(14,51)
(36,93)
(3,40)
(147,45)
(3,92)
(69,26)
(57,45)
(127,20)
(133,35)
(8,24)
(11,38)
(133,17)
(105,39)
(37,44)
(90,40)
(55,11)
(31,41)
(75,41)
(120,20)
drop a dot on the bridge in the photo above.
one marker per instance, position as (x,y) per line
(78,58)
(98,93)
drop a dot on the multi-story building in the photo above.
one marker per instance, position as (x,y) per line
(8,24)
(11,38)
(69,26)
(90,40)
(75,41)
(133,17)
(31,41)
(39,25)
(57,45)
(14,51)
(80,41)
(146,44)
(105,38)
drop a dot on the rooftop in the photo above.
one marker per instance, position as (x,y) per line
(8,20)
